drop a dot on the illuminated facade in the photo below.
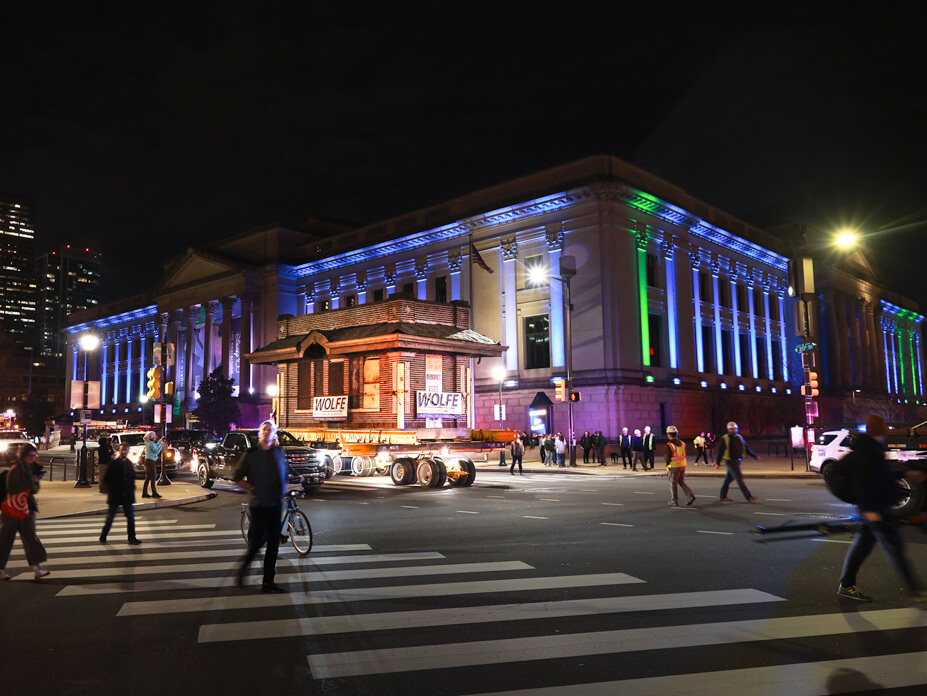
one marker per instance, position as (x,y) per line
(18,309)
(680,312)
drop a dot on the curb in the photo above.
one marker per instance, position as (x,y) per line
(657,474)
(139,506)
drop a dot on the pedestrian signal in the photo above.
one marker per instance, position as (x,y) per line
(168,389)
(559,391)
(154,383)
(575,396)
(811,388)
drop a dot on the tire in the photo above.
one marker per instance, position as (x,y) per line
(460,476)
(245,522)
(328,466)
(300,532)
(427,473)
(369,467)
(357,466)
(402,472)
(824,467)
(202,475)
(337,465)
(442,473)
(471,471)
(912,499)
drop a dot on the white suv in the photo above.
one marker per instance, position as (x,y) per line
(828,448)
(136,442)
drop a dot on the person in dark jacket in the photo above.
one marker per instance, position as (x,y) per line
(637,447)
(731,451)
(262,472)
(649,455)
(586,443)
(22,480)
(600,444)
(875,487)
(119,481)
(624,443)
(105,455)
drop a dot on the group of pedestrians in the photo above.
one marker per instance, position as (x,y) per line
(636,449)
(595,444)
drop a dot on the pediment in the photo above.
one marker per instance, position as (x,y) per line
(195,266)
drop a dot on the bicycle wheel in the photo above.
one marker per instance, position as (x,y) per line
(300,532)
(245,522)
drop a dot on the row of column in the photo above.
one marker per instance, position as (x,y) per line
(903,367)
(855,350)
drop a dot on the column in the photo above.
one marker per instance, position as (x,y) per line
(719,353)
(735,328)
(129,370)
(783,339)
(227,304)
(361,285)
(116,352)
(509,305)
(555,250)
(875,383)
(453,261)
(143,365)
(244,346)
(211,307)
(421,281)
(697,316)
(104,377)
(845,379)
(189,387)
(177,372)
(751,309)
(671,307)
(300,301)
(865,357)
(855,343)
(878,323)
(769,353)
(835,346)
(685,309)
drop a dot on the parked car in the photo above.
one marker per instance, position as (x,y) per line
(220,462)
(187,442)
(10,440)
(136,442)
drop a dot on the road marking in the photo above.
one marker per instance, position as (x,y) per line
(780,500)
(324,576)
(542,648)
(314,626)
(149,545)
(852,675)
(410,507)
(145,555)
(616,524)
(771,514)
(495,496)
(550,500)
(706,531)
(467,512)
(363,594)
(120,519)
(835,541)
(611,503)
(182,535)
(224,567)
(65,533)
(643,493)
(532,517)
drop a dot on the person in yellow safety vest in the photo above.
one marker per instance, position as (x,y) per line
(675,456)
(731,452)
(700,444)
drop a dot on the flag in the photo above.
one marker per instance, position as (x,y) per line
(475,256)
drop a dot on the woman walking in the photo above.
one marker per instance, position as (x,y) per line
(17,513)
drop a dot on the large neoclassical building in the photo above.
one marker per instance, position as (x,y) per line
(680,312)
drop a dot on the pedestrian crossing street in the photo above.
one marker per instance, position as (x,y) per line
(187,570)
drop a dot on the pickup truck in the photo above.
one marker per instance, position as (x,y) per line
(220,462)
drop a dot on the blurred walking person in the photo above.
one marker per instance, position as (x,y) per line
(700,453)
(18,511)
(731,451)
(675,455)
(119,481)
(518,451)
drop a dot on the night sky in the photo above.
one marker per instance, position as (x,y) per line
(142,134)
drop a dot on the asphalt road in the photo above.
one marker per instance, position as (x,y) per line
(542,584)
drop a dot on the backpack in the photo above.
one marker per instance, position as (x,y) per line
(840,475)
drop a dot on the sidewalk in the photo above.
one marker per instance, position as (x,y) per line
(766,467)
(62,499)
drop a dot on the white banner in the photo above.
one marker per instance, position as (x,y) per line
(438,404)
(330,408)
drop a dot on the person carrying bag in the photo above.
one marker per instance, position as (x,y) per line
(18,510)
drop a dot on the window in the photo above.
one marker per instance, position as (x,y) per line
(372,383)
(325,305)
(434,370)
(350,301)
(336,377)
(304,385)
(378,295)
(704,286)
(724,293)
(761,356)
(655,326)
(727,350)
(742,298)
(537,342)
(441,289)
(777,360)
(318,378)
(534,272)
(774,309)
(652,270)
(708,346)
(409,289)
(746,357)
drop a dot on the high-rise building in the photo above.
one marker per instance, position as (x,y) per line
(18,310)
(68,281)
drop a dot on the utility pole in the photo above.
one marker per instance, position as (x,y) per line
(801,287)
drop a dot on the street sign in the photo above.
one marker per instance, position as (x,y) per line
(804,347)
(85,417)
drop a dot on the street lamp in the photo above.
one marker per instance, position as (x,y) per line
(536,276)
(499,374)
(273,391)
(846,239)
(88,342)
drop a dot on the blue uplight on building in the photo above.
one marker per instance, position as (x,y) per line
(759,388)
(677,381)
(703,383)
(741,387)
(724,385)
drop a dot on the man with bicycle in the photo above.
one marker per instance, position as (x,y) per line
(262,472)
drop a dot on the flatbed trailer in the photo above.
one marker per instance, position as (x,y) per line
(428,457)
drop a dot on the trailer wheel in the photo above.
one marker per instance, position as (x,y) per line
(427,474)
(357,466)
(471,471)
(402,472)
(911,498)
(370,466)
(337,465)
(442,473)
(458,475)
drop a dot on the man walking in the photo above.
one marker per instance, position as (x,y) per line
(119,482)
(262,472)
(624,442)
(699,443)
(675,456)
(637,447)
(649,455)
(731,451)
(518,451)
(875,489)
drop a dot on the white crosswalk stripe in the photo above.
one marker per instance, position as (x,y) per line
(201,591)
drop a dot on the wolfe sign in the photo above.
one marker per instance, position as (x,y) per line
(330,408)
(429,404)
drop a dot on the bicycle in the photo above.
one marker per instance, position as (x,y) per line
(293,520)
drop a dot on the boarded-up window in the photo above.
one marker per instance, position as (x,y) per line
(372,383)
(336,377)
(318,378)
(433,372)
(304,385)
(356,381)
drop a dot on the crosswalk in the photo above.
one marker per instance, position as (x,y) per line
(390,614)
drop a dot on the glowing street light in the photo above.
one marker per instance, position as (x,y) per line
(846,239)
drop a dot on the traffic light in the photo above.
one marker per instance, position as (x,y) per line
(168,389)
(575,396)
(559,391)
(811,388)
(154,383)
